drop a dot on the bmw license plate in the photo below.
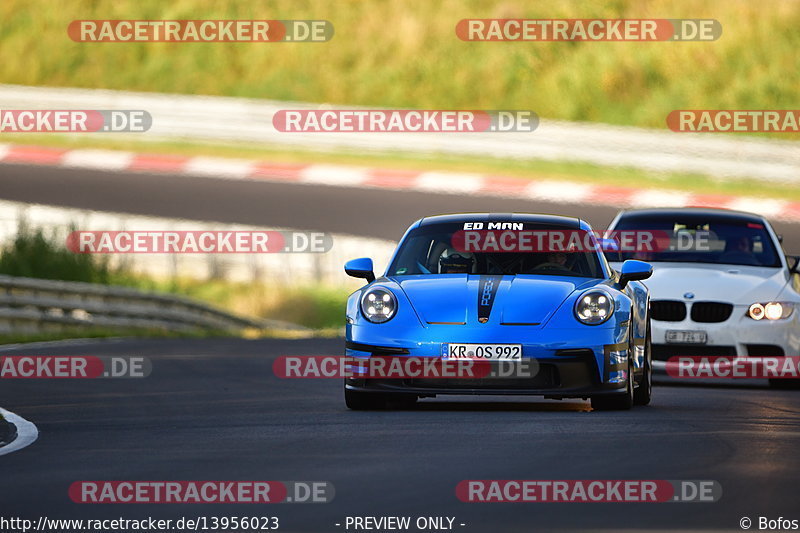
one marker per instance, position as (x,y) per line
(677,336)
(482,352)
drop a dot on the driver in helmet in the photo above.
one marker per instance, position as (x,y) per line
(557,258)
(455,262)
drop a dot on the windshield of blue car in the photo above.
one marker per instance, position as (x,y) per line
(458,248)
(701,238)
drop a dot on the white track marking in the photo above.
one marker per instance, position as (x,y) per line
(335,175)
(98,159)
(559,191)
(27,433)
(219,167)
(449,182)
(763,206)
(656,198)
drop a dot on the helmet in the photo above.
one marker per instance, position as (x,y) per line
(455,262)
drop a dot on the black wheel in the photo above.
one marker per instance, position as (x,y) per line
(644,392)
(785,384)
(616,402)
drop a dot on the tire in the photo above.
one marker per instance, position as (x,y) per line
(616,402)
(785,384)
(644,392)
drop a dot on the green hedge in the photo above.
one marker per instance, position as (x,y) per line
(406,54)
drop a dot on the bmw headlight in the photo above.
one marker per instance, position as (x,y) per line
(594,307)
(378,305)
(770,310)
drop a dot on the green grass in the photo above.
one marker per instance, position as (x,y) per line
(101,333)
(406,54)
(33,254)
(528,170)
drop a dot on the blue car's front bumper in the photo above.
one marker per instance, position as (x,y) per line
(571,362)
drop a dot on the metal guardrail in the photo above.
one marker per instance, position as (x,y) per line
(240,120)
(34,305)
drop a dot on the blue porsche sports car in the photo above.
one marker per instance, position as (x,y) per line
(503,288)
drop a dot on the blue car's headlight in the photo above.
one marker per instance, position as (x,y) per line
(378,305)
(594,307)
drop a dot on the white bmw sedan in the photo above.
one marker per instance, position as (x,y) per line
(721,285)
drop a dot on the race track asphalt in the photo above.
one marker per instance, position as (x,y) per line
(366,212)
(213,410)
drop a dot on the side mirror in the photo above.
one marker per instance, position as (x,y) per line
(794,267)
(360,268)
(633,270)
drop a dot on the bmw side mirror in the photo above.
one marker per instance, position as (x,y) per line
(633,270)
(794,268)
(360,268)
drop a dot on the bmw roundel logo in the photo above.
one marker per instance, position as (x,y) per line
(688,295)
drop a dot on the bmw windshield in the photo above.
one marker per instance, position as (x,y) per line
(701,238)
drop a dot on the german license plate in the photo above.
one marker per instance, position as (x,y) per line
(677,336)
(482,352)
